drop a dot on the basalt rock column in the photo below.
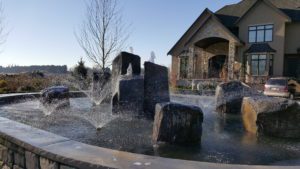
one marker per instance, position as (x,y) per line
(177,124)
(229,96)
(277,117)
(156,87)
(127,85)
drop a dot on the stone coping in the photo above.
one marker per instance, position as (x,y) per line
(79,155)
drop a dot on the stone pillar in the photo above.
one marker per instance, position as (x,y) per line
(178,67)
(204,63)
(175,70)
(191,63)
(231,59)
(198,64)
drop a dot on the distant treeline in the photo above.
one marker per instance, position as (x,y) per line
(24,69)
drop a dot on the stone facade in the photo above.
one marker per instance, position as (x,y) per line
(200,50)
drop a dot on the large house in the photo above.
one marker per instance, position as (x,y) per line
(250,41)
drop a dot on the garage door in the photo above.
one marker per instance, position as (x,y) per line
(292,66)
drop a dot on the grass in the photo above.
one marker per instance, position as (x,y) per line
(26,82)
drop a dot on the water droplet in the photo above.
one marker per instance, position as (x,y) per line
(147,164)
(137,163)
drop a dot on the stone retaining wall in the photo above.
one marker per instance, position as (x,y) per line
(25,147)
(13,156)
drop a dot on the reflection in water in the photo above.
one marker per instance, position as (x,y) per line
(224,139)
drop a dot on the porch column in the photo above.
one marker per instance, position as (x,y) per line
(231,58)
(191,62)
(177,64)
(198,65)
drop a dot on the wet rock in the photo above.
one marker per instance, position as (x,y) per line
(120,65)
(277,117)
(229,96)
(177,124)
(123,60)
(55,95)
(127,87)
(156,87)
(129,97)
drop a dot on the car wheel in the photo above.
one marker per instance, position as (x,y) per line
(292,96)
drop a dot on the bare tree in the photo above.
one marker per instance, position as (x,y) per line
(103,33)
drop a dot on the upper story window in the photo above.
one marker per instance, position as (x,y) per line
(261,33)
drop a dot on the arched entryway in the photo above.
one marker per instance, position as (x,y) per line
(215,66)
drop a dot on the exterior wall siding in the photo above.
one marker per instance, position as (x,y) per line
(292,38)
(262,14)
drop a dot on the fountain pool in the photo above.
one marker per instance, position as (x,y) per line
(223,137)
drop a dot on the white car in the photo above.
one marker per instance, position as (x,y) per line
(282,87)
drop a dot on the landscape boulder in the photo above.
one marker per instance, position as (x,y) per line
(121,63)
(129,96)
(127,85)
(56,95)
(177,124)
(156,87)
(229,96)
(276,117)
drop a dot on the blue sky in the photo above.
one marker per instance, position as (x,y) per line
(42,31)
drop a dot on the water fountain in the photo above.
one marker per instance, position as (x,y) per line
(127,123)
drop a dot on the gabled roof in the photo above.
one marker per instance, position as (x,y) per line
(210,15)
(269,4)
(294,14)
(243,6)
(190,29)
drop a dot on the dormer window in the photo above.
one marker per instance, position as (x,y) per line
(261,33)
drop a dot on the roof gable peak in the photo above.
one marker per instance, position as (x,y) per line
(267,2)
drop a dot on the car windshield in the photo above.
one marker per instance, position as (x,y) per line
(279,82)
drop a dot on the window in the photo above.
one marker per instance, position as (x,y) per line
(258,65)
(262,33)
(184,60)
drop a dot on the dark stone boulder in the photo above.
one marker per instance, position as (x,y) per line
(156,87)
(55,95)
(276,117)
(177,124)
(122,61)
(129,97)
(229,96)
(120,66)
